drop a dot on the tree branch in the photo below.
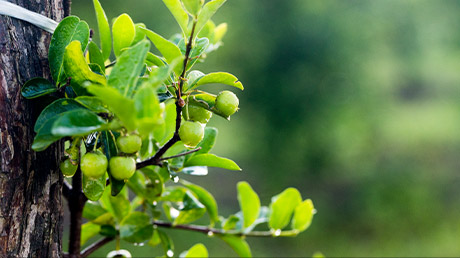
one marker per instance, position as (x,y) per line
(214,231)
(181,154)
(96,245)
(76,204)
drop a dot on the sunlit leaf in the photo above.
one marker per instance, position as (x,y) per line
(88,231)
(208,10)
(303,215)
(212,160)
(181,16)
(104,30)
(123,31)
(95,56)
(282,207)
(238,244)
(198,250)
(249,203)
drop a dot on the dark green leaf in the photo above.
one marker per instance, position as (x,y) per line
(211,160)
(173,193)
(77,123)
(206,199)
(136,228)
(92,103)
(92,210)
(249,203)
(238,244)
(118,206)
(108,231)
(137,184)
(125,73)
(44,137)
(104,30)
(68,30)
(282,207)
(57,107)
(37,87)
(167,243)
(123,32)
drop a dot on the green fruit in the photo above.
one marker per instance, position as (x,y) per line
(198,114)
(227,102)
(93,164)
(191,133)
(67,168)
(122,168)
(129,144)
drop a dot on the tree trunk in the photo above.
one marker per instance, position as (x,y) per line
(31,212)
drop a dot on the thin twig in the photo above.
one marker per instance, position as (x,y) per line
(181,154)
(111,64)
(96,245)
(214,231)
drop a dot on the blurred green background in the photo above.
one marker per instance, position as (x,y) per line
(355,103)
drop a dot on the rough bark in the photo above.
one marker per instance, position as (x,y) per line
(30,183)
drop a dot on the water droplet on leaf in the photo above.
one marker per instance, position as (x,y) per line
(170,253)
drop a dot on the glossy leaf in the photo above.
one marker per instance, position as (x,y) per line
(92,210)
(75,66)
(167,243)
(173,194)
(148,110)
(282,207)
(181,16)
(136,228)
(195,171)
(108,231)
(88,231)
(123,32)
(104,30)
(122,107)
(77,123)
(37,87)
(93,188)
(212,160)
(188,216)
(206,199)
(208,10)
(125,73)
(219,77)
(69,29)
(238,244)
(92,103)
(95,56)
(303,215)
(57,107)
(249,203)
(198,250)
(168,49)
(44,137)
(210,135)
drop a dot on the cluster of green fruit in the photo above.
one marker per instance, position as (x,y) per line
(94,164)
(191,131)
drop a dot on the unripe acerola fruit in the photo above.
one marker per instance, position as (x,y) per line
(93,164)
(198,114)
(129,144)
(67,168)
(227,102)
(191,133)
(122,168)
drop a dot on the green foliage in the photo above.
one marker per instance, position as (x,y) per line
(139,122)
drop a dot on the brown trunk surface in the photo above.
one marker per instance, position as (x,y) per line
(30,183)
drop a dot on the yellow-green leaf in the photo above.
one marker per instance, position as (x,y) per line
(282,207)
(209,9)
(181,16)
(303,215)
(249,203)
(123,31)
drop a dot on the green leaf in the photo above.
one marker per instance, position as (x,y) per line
(93,188)
(88,231)
(198,49)
(219,32)
(126,71)
(37,87)
(167,243)
(282,207)
(104,30)
(238,244)
(118,206)
(140,35)
(170,122)
(231,222)
(108,231)
(92,210)
(181,16)
(44,137)
(206,199)
(95,56)
(173,194)
(303,215)
(208,31)
(192,6)
(195,171)
(136,228)
(121,106)
(198,250)
(137,184)
(75,66)
(92,103)
(168,49)
(68,30)
(57,107)
(191,210)
(155,240)
(123,32)
(208,10)
(148,110)
(219,77)
(77,123)
(110,149)
(249,203)
(154,60)
(210,135)
(212,160)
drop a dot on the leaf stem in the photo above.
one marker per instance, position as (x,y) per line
(181,154)
(214,231)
